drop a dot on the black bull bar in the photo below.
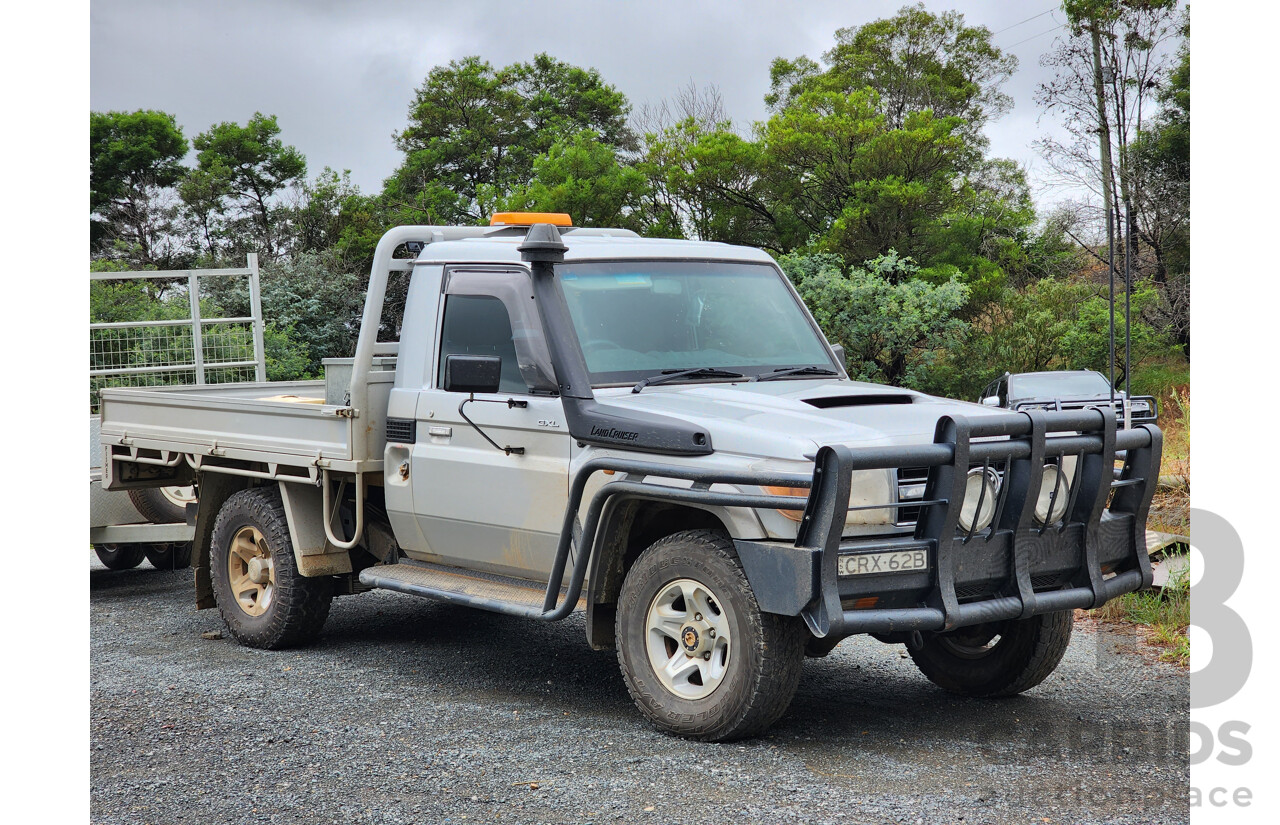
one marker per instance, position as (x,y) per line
(1015,568)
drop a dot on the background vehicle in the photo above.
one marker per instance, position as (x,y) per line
(1066,390)
(151,522)
(654,432)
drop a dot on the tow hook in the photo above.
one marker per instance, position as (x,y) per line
(404,470)
(915,640)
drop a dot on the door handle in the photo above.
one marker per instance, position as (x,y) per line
(440,432)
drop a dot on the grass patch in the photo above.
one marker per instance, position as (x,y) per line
(1166,613)
(1162,376)
(1171,507)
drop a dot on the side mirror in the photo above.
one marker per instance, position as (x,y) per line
(472,373)
(839,351)
(989,401)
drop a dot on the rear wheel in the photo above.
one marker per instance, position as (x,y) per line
(120,556)
(995,658)
(698,655)
(264,600)
(174,556)
(163,505)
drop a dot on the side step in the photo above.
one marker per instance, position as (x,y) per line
(487,591)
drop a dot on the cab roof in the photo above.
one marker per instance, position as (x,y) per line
(499,244)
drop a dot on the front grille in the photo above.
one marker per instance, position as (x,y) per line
(1044,581)
(401,430)
(968,591)
(910,486)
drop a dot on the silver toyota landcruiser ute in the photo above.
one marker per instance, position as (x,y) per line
(657,434)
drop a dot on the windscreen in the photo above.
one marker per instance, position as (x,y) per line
(1058,385)
(639,318)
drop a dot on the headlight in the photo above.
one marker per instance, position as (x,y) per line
(980,485)
(1053,479)
(1140,406)
(866,489)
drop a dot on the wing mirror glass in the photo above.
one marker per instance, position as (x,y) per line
(472,373)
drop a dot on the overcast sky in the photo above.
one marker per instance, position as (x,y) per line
(340,75)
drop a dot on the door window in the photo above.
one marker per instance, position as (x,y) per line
(479,325)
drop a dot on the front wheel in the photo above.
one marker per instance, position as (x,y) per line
(995,658)
(698,655)
(262,597)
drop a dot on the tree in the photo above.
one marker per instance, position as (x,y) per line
(707,184)
(704,105)
(311,297)
(322,210)
(1133,58)
(474,132)
(244,167)
(853,185)
(1129,65)
(1053,324)
(582,176)
(204,193)
(892,325)
(916,61)
(1162,173)
(134,160)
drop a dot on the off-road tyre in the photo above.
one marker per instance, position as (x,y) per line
(172,556)
(298,605)
(120,556)
(1025,653)
(765,651)
(155,507)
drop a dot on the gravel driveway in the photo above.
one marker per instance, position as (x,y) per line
(408,710)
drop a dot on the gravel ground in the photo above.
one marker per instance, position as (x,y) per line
(407,710)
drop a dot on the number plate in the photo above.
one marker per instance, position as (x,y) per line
(896,562)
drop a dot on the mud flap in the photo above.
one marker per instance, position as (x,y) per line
(303,509)
(783,577)
(213,489)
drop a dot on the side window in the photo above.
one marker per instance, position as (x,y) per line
(479,325)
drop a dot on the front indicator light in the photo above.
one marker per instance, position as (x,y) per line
(1055,488)
(979,505)
(794,515)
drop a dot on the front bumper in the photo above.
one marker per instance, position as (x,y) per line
(1013,569)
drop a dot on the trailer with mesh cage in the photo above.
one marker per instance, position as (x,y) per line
(157,329)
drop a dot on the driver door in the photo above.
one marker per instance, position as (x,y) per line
(479,507)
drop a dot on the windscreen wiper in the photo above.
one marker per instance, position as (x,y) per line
(783,372)
(696,372)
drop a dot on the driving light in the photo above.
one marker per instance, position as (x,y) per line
(1053,479)
(979,485)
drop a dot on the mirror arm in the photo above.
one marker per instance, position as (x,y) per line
(510,402)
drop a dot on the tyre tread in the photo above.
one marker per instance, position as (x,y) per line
(300,604)
(780,648)
(152,504)
(1050,634)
